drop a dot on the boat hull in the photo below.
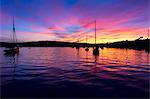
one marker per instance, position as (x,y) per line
(11,51)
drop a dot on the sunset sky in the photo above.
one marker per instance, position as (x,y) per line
(73,20)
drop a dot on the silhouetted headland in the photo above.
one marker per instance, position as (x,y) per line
(138,44)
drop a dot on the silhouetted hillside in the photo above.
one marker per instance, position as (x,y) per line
(136,44)
(47,44)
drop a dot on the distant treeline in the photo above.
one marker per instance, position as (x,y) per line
(136,44)
(46,44)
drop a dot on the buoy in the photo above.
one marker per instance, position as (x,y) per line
(86,49)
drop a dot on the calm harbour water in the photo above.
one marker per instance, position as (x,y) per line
(68,72)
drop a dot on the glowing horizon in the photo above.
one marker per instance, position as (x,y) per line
(73,20)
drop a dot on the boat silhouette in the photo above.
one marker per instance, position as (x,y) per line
(96,48)
(87,48)
(12,48)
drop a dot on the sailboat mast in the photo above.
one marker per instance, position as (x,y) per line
(13,31)
(95,31)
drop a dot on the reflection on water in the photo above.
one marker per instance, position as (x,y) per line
(68,72)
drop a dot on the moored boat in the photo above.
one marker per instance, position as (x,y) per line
(12,48)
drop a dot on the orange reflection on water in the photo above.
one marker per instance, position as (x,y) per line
(119,59)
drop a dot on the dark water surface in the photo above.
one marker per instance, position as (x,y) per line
(67,72)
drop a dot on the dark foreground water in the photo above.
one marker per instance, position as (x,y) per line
(67,72)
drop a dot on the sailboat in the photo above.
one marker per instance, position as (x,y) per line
(77,44)
(87,48)
(12,48)
(96,49)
